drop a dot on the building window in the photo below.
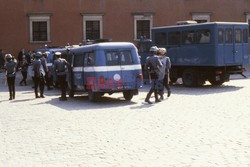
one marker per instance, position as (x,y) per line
(142,26)
(201,17)
(92,27)
(39,28)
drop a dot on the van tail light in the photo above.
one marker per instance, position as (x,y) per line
(140,76)
(101,80)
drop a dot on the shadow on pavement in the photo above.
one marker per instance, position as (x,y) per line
(82,103)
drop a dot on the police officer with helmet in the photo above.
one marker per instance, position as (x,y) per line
(10,68)
(60,66)
(152,66)
(39,75)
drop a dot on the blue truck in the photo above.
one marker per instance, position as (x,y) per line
(199,52)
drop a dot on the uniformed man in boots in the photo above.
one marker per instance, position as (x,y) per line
(152,65)
(60,66)
(38,75)
(45,68)
(10,68)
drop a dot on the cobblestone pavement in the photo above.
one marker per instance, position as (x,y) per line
(195,127)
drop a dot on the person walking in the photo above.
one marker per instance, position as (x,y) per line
(24,70)
(60,66)
(152,66)
(38,76)
(164,72)
(167,73)
(10,68)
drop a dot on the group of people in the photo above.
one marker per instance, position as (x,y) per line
(158,66)
(38,62)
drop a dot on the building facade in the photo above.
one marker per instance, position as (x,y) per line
(30,24)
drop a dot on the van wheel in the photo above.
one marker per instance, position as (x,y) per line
(189,77)
(93,96)
(128,95)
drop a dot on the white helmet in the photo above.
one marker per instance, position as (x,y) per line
(153,49)
(8,56)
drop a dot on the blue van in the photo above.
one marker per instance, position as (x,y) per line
(208,51)
(105,68)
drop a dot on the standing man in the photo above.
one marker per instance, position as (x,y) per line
(45,68)
(60,66)
(24,70)
(38,75)
(10,67)
(152,66)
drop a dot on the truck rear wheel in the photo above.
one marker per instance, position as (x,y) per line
(215,82)
(189,77)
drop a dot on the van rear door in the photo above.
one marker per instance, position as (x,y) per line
(113,68)
(78,71)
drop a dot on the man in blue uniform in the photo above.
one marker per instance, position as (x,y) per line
(38,75)
(10,68)
(60,66)
(152,66)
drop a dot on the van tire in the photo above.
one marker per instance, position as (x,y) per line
(128,95)
(93,96)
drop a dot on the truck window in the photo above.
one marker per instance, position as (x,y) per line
(203,36)
(160,38)
(126,57)
(78,60)
(220,35)
(238,38)
(188,37)
(245,36)
(112,58)
(229,35)
(174,38)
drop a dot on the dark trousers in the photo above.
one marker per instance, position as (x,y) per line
(154,88)
(38,82)
(47,79)
(166,82)
(62,82)
(24,74)
(11,86)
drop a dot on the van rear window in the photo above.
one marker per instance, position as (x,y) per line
(126,57)
(112,58)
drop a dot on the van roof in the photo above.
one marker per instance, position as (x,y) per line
(105,45)
(202,24)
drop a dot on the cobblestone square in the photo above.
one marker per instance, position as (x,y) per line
(197,127)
